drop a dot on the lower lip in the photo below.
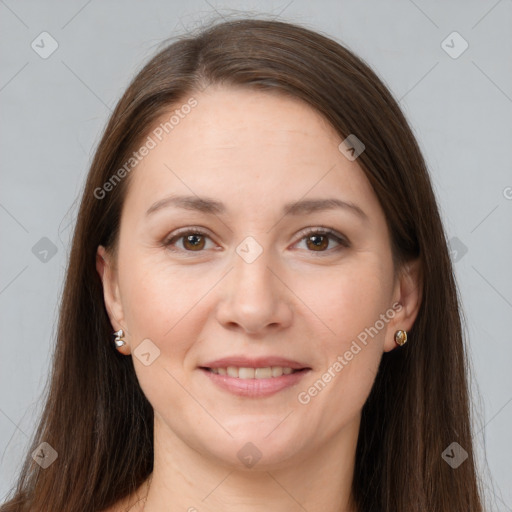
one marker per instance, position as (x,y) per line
(255,388)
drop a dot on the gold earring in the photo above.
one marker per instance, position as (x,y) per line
(401,337)
(119,338)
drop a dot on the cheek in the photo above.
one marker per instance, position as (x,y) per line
(351,302)
(347,298)
(161,305)
(335,394)
(156,296)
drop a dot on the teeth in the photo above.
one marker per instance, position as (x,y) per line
(232,371)
(253,373)
(246,373)
(262,373)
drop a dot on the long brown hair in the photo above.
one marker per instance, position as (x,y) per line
(96,416)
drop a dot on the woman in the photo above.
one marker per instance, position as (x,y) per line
(259,231)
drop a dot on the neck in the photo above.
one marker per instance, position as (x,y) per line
(184,479)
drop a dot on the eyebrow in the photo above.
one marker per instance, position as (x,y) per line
(213,207)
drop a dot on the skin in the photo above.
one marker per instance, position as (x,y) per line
(253,151)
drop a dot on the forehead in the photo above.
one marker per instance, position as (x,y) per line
(234,112)
(247,146)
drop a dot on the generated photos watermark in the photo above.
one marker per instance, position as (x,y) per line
(304,397)
(152,141)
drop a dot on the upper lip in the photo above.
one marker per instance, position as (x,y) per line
(254,362)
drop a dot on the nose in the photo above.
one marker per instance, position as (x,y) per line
(254,297)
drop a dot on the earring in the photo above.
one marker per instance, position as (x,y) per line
(401,337)
(119,338)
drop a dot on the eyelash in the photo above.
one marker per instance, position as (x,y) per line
(330,233)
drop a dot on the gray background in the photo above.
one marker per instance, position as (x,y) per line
(54,108)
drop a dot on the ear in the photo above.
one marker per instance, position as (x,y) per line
(407,297)
(108,273)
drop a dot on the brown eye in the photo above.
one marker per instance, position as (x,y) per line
(194,242)
(318,239)
(317,242)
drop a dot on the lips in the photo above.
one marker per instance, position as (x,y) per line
(254,377)
(254,388)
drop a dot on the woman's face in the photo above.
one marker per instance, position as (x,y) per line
(241,278)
